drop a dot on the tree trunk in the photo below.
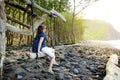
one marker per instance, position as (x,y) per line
(2,41)
(2,34)
(73,35)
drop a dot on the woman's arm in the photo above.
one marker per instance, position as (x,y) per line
(39,44)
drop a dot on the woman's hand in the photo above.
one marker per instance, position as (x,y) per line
(41,54)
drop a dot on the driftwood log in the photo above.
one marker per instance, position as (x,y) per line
(4,26)
(112,70)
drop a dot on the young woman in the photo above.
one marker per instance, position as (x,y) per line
(42,48)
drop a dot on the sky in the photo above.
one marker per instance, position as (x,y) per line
(106,10)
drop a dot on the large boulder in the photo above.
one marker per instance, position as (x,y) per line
(112,70)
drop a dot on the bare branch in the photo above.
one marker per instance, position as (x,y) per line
(2,12)
(54,12)
(37,6)
(40,21)
(46,11)
(17,30)
(88,3)
(81,10)
(21,23)
(27,32)
(16,5)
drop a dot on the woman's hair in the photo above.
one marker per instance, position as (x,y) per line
(40,29)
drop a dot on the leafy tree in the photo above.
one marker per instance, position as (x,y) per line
(59,5)
(83,4)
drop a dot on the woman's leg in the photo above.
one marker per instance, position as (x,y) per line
(51,65)
(54,58)
(50,52)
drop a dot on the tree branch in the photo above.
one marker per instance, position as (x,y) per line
(2,12)
(54,12)
(40,21)
(81,10)
(21,23)
(37,6)
(27,32)
(46,11)
(17,30)
(88,3)
(16,5)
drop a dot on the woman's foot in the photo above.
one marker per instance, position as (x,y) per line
(56,63)
(51,71)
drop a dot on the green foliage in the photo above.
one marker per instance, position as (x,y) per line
(59,5)
(78,30)
(67,28)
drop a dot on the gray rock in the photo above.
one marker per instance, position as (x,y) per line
(19,70)
(8,70)
(69,77)
(56,69)
(83,77)
(21,60)
(76,71)
(20,76)
(76,64)
(60,76)
(67,66)
(7,78)
(34,77)
(26,67)
(75,60)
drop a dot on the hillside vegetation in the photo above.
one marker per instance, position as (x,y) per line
(99,30)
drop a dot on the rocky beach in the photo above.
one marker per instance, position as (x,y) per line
(83,61)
